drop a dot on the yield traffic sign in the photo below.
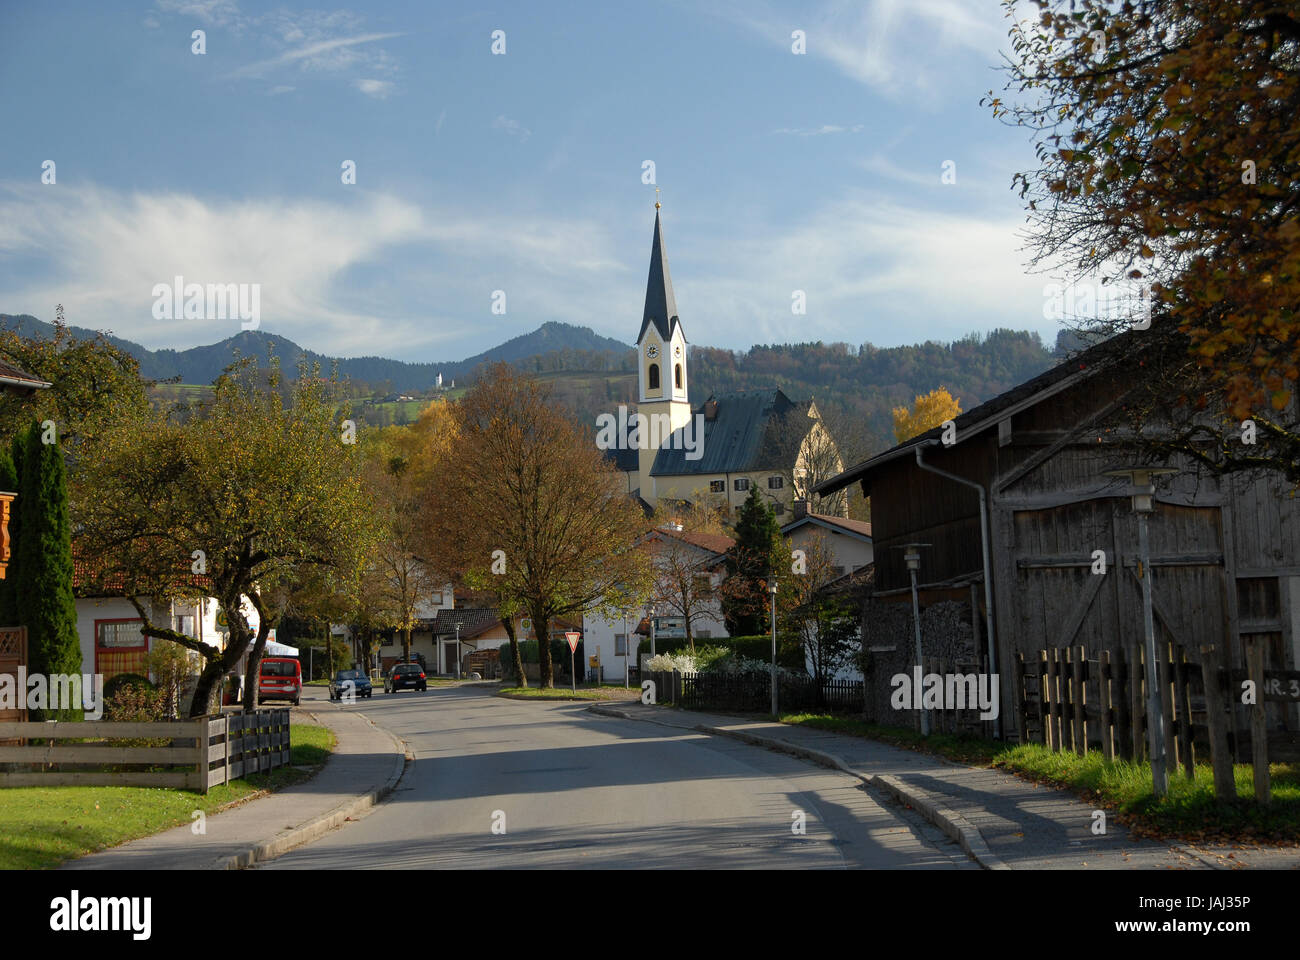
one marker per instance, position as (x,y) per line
(573,637)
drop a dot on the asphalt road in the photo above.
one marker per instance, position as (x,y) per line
(509,783)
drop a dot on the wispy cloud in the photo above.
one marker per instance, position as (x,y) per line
(818,131)
(890,45)
(511,128)
(333,54)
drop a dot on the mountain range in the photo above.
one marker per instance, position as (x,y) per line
(202,365)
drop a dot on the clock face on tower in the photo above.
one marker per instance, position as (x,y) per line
(652,351)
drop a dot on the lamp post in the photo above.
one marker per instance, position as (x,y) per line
(912,556)
(457,651)
(650,615)
(772,590)
(1142,479)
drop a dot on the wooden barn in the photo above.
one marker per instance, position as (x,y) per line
(1015,509)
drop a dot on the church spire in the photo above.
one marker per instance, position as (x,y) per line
(660,305)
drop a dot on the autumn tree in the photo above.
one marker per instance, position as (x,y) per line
(230,503)
(824,620)
(528,497)
(1168,177)
(683,584)
(928,411)
(805,454)
(93,383)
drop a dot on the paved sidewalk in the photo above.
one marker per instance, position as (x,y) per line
(364,767)
(1019,824)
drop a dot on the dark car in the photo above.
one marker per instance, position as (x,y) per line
(354,680)
(405,675)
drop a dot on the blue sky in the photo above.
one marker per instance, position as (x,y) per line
(519,172)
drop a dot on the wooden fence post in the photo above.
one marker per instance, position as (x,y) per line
(1022,705)
(1119,702)
(1258,722)
(1044,700)
(201,725)
(1080,684)
(1225,787)
(1163,671)
(1105,705)
(1137,703)
(1183,705)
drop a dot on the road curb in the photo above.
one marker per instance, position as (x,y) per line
(960,830)
(312,830)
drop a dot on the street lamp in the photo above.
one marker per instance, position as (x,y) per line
(458,651)
(1142,479)
(772,590)
(912,556)
(650,615)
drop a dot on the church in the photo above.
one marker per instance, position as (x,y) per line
(718,450)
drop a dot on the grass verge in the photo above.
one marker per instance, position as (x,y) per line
(40,827)
(1189,812)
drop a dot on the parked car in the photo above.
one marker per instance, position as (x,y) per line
(279,678)
(404,675)
(354,680)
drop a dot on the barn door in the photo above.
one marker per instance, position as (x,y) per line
(1060,600)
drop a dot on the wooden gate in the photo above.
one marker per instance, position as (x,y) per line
(13,654)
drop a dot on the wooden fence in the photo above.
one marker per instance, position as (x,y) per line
(752,692)
(194,754)
(1067,701)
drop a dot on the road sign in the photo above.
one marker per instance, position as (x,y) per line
(573,637)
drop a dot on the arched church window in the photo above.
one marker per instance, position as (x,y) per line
(677,375)
(654,376)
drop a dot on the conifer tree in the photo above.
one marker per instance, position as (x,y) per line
(756,555)
(42,563)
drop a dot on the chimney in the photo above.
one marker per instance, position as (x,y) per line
(800,508)
(710,409)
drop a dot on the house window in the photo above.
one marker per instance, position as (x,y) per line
(436,597)
(778,508)
(704,635)
(703,585)
(185,625)
(654,376)
(717,486)
(741,484)
(387,640)
(120,647)
(620,644)
(775,483)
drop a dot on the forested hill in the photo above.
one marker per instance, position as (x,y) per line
(857,388)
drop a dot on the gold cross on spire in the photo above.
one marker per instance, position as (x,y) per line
(656,198)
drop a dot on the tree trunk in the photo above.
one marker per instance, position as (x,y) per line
(254,662)
(542,629)
(209,682)
(516,659)
(406,644)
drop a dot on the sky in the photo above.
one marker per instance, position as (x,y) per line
(522,172)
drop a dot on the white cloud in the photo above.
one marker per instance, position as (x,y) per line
(277,90)
(364,275)
(379,89)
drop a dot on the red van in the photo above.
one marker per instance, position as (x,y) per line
(279,678)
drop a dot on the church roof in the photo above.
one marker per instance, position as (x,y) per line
(737,437)
(660,304)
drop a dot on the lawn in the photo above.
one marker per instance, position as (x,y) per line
(1188,812)
(604,691)
(40,827)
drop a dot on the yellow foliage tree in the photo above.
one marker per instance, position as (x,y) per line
(927,413)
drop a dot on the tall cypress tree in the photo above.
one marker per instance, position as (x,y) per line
(8,598)
(43,563)
(756,554)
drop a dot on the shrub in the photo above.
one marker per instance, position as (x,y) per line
(671,661)
(120,680)
(174,668)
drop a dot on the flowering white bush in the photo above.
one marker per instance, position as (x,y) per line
(734,663)
(668,662)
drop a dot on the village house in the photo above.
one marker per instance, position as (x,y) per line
(1015,513)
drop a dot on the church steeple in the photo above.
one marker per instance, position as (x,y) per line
(660,304)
